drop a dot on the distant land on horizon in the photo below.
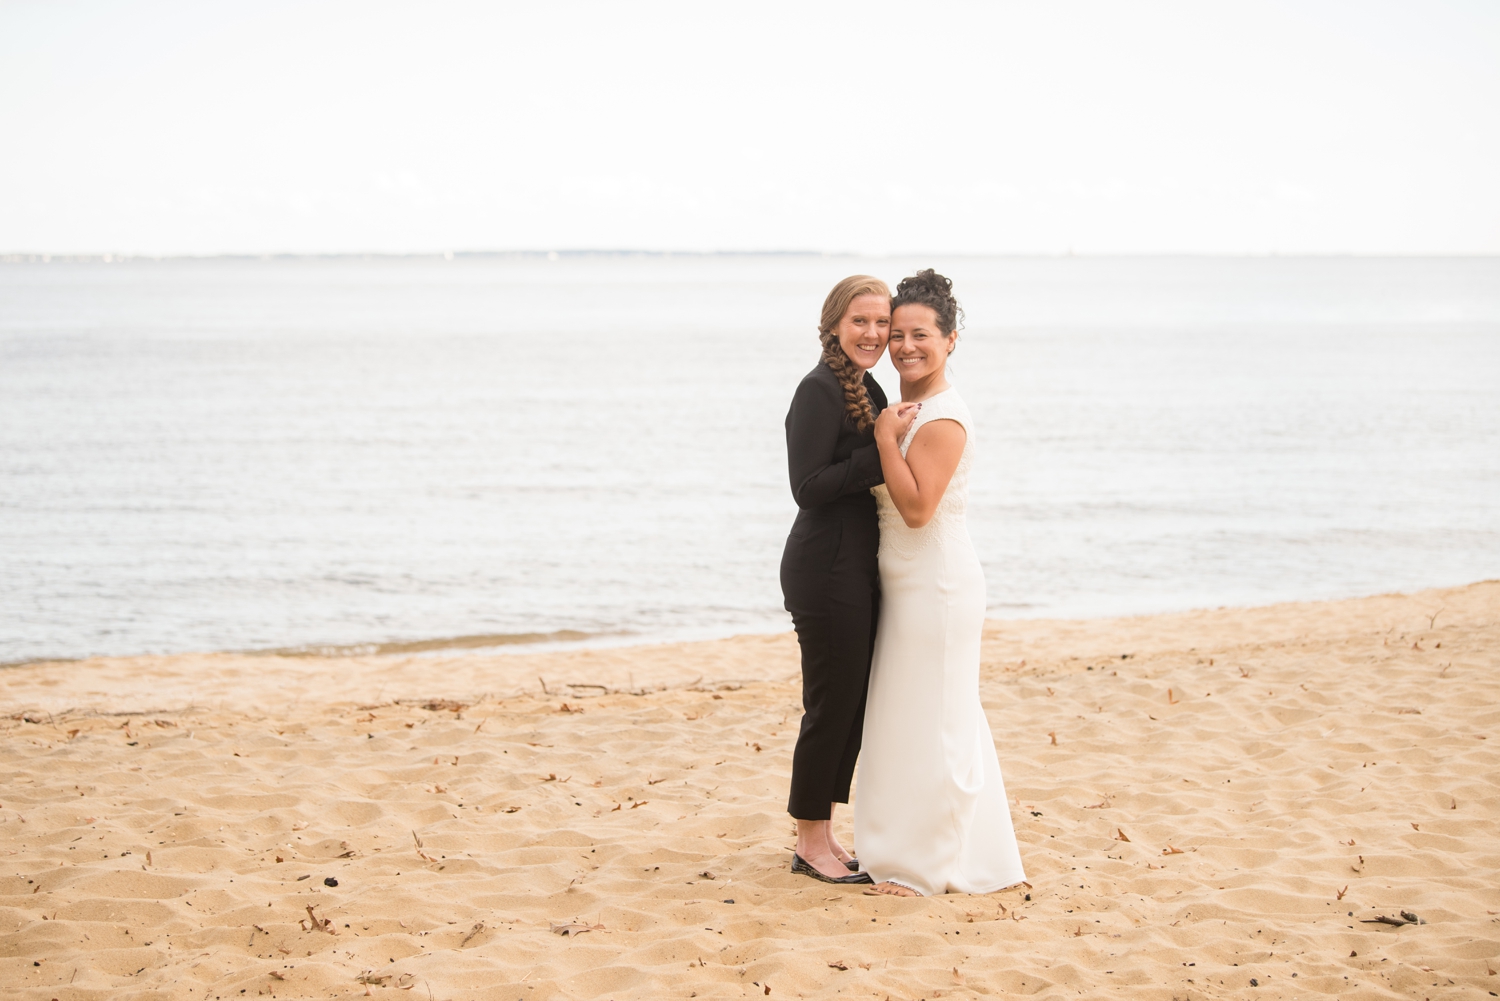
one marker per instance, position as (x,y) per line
(112,257)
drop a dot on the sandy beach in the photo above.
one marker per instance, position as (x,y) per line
(1210,804)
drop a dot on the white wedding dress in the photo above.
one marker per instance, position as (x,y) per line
(930,810)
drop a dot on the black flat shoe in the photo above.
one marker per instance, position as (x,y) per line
(853,865)
(799,865)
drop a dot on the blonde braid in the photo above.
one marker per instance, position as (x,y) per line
(857,406)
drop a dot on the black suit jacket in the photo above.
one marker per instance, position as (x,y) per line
(832,467)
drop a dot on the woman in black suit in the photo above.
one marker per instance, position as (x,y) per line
(829,574)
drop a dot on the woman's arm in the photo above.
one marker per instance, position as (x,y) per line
(812,430)
(918,480)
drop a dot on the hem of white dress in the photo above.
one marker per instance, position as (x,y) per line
(915,889)
(996,889)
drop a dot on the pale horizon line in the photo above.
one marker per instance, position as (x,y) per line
(110,257)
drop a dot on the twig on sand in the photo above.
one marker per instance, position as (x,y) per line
(321,924)
(1406,918)
(567,929)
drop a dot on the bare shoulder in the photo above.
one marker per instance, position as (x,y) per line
(941,434)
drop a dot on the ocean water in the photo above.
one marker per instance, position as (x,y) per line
(255,454)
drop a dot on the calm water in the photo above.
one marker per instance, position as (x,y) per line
(234,454)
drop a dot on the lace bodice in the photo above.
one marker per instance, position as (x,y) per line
(948,521)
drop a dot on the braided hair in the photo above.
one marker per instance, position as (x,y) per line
(857,406)
(930,289)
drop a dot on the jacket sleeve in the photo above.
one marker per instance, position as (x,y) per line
(812,431)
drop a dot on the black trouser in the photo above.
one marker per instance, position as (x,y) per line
(834,598)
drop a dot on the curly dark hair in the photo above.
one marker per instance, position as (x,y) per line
(928,288)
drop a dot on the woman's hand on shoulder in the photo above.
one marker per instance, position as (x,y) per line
(894,421)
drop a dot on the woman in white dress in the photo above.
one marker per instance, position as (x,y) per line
(930,813)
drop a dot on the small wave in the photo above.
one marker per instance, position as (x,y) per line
(424,646)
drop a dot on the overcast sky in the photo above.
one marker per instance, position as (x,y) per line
(1308,126)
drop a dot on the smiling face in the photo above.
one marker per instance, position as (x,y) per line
(919,349)
(865,328)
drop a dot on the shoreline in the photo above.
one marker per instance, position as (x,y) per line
(566,640)
(578,668)
(1201,798)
